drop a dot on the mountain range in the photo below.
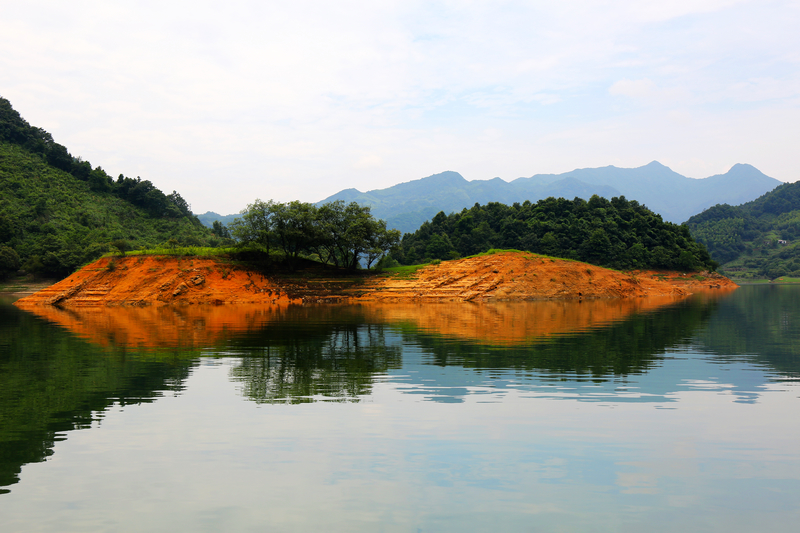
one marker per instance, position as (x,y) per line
(675,197)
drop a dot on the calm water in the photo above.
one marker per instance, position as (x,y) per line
(651,415)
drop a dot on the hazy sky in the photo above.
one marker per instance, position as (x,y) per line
(228,102)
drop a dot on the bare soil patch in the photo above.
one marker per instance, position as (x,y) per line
(170,280)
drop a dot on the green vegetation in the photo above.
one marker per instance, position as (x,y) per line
(52,382)
(336,233)
(403,271)
(58,213)
(759,239)
(618,234)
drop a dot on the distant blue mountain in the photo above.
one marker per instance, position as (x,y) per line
(209,217)
(406,206)
(675,197)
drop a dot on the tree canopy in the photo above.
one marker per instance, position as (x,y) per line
(340,234)
(57,212)
(615,233)
(761,237)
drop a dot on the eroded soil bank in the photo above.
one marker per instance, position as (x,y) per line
(171,280)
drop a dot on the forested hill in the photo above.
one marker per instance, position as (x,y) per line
(760,238)
(618,233)
(407,205)
(57,212)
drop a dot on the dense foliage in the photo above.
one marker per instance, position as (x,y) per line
(57,213)
(618,233)
(336,233)
(747,238)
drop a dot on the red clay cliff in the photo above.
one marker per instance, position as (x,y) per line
(174,280)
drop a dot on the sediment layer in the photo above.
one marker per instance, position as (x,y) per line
(171,280)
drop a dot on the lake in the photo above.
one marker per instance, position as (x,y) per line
(630,415)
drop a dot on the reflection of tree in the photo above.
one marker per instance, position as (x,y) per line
(51,382)
(334,361)
(627,347)
(760,322)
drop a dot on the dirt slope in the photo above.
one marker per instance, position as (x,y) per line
(526,276)
(169,280)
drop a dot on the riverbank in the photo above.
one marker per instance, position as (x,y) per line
(174,280)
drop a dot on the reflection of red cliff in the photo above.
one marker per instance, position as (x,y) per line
(160,280)
(197,326)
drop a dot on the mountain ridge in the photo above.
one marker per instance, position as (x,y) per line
(675,197)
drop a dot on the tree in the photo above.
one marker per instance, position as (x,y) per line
(255,226)
(383,241)
(220,230)
(294,227)
(121,245)
(99,181)
(181,204)
(6,228)
(9,261)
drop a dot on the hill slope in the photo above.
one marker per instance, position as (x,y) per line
(170,280)
(760,238)
(618,234)
(57,212)
(407,205)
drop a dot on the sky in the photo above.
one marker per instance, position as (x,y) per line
(229,102)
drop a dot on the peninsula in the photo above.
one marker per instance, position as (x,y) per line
(142,280)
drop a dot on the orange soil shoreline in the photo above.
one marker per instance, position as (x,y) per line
(172,280)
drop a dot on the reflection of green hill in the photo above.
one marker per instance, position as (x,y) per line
(51,382)
(627,347)
(761,323)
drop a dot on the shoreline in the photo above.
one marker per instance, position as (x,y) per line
(15,289)
(144,280)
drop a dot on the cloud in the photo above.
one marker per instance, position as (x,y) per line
(633,88)
(369,161)
(296,100)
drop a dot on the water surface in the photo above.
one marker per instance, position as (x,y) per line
(625,415)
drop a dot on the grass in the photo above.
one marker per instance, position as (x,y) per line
(403,272)
(187,251)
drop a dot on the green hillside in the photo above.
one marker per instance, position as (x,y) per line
(618,233)
(758,239)
(57,212)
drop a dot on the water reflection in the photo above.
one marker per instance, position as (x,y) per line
(298,354)
(52,382)
(498,324)
(631,415)
(760,325)
(597,351)
(339,365)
